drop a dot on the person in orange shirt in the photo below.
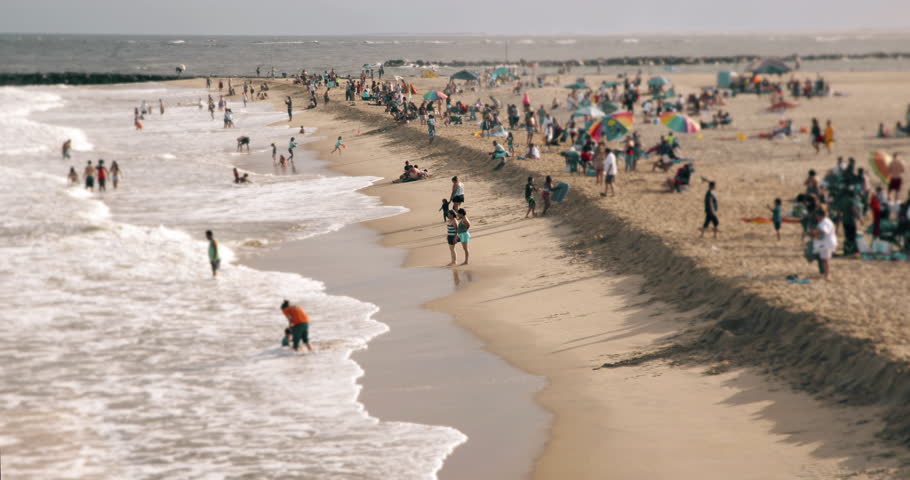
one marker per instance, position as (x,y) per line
(299,323)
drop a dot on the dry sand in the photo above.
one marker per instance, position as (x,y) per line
(546,296)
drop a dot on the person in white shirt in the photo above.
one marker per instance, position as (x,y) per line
(609,173)
(824,243)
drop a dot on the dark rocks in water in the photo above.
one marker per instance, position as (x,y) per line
(658,60)
(80,78)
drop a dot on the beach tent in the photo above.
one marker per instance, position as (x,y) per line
(773,66)
(464,75)
(577,86)
(658,82)
(725,78)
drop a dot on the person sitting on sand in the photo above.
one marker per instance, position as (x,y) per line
(498,151)
(681,180)
(533,152)
(243,141)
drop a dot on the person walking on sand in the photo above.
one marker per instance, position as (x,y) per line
(824,242)
(530,188)
(274,153)
(451,235)
(829,136)
(67,146)
(777,217)
(338,146)
(710,210)
(299,323)
(431,127)
(214,254)
(457,196)
(89,175)
(161,106)
(545,194)
(610,168)
(115,174)
(817,137)
(464,236)
(290,104)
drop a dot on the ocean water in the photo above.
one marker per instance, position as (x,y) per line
(120,355)
(240,55)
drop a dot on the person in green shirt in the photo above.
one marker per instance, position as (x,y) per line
(777,217)
(214,256)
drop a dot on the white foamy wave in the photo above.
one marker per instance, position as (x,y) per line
(154,349)
(829,39)
(177,42)
(630,40)
(567,41)
(525,41)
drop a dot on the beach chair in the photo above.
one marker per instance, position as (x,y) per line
(456,120)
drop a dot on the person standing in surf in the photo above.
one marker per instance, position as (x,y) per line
(115,174)
(89,175)
(101,174)
(274,153)
(214,255)
(299,322)
(161,106)
(73,176)
(290,104)
(291,146)
(67,146)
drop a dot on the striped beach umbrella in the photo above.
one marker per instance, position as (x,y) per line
(880,163)
(679,123)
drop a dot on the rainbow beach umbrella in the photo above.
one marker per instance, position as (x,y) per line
(880,163)
(434,95)
(611,127)
(679,123)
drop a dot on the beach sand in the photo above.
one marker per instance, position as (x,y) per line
(560,296)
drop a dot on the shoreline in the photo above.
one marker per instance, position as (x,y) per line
(455,375)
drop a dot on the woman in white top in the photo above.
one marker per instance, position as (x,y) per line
(457,196)
(824,242)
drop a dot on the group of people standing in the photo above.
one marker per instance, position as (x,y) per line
(457,224)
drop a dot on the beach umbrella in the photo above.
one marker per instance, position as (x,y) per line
(610,84)
(434,95)
(500,72)
(658,82)
(609,107)
(464,75)
(577,86)
(880,163)
(589,111)
(679,123)
(624,118)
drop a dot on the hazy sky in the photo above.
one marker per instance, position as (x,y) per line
(321,17)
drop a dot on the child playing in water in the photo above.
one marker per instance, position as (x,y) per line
(73,176)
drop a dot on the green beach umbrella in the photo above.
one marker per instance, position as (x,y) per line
(464,75)
(658,81)
(499,72)
(610,84)
(609,107)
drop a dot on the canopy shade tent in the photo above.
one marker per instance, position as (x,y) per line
(464,75)
(501,71)
(773,66)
